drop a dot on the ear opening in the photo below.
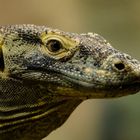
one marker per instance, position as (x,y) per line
(1,60)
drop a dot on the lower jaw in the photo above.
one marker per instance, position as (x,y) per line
(89,92)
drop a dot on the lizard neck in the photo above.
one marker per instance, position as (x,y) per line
(33,112)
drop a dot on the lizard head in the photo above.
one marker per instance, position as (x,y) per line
(46,73)
(69,64)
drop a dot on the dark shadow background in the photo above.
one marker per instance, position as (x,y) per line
(119,22)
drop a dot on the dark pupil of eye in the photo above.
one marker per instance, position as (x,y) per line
(54,45)
(120,66)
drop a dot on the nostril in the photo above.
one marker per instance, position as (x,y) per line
(119,66)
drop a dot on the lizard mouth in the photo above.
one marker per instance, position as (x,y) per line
(87,88)
(101,90)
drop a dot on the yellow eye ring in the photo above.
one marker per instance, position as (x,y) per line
(57,45)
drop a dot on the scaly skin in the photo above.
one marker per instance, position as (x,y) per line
(46,73)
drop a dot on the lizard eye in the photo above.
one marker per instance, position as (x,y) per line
(54,45)
(57,46)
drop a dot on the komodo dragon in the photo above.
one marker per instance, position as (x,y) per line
(46,73)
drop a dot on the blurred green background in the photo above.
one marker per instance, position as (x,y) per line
(119,22)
